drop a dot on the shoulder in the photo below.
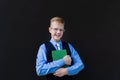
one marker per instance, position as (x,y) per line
(45,44)
(42,48)
(67,42)
(42,45)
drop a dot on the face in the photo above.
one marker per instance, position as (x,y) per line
(56,30)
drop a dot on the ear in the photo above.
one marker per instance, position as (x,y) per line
(49,29)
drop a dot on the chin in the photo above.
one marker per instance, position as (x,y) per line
(57,40)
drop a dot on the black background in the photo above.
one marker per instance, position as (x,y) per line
(93,27)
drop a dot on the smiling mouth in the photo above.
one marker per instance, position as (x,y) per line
(57,35)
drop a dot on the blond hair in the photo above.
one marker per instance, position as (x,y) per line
(58,19)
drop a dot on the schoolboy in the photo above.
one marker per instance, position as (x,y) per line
(54,70)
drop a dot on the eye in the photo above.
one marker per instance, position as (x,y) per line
(55,29)
(61,30)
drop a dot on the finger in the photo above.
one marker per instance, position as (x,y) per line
(55,74)
(58,75)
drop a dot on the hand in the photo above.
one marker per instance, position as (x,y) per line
(61,72)
(67,59)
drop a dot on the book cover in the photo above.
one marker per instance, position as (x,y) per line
(59,54)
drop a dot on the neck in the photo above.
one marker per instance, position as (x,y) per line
(56,40)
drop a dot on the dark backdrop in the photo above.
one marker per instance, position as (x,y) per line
(93,27)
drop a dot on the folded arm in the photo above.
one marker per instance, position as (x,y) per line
(42,66)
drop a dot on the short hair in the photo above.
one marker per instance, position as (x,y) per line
(58,19)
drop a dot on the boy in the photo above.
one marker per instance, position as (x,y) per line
(54,70)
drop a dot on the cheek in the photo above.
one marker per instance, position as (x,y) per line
(61,33)
(53,33)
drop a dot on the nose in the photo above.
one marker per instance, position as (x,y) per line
(58,31)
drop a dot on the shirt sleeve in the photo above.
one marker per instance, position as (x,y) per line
(42,66)
(77,62)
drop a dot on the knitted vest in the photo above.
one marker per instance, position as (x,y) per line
(49,48)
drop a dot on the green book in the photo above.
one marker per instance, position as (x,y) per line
(59,54)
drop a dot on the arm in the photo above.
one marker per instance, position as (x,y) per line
(77,62)
(75,68)
(42,66)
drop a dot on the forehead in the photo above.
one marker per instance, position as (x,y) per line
(57,24)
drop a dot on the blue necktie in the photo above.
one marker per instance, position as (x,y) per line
(58,46)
